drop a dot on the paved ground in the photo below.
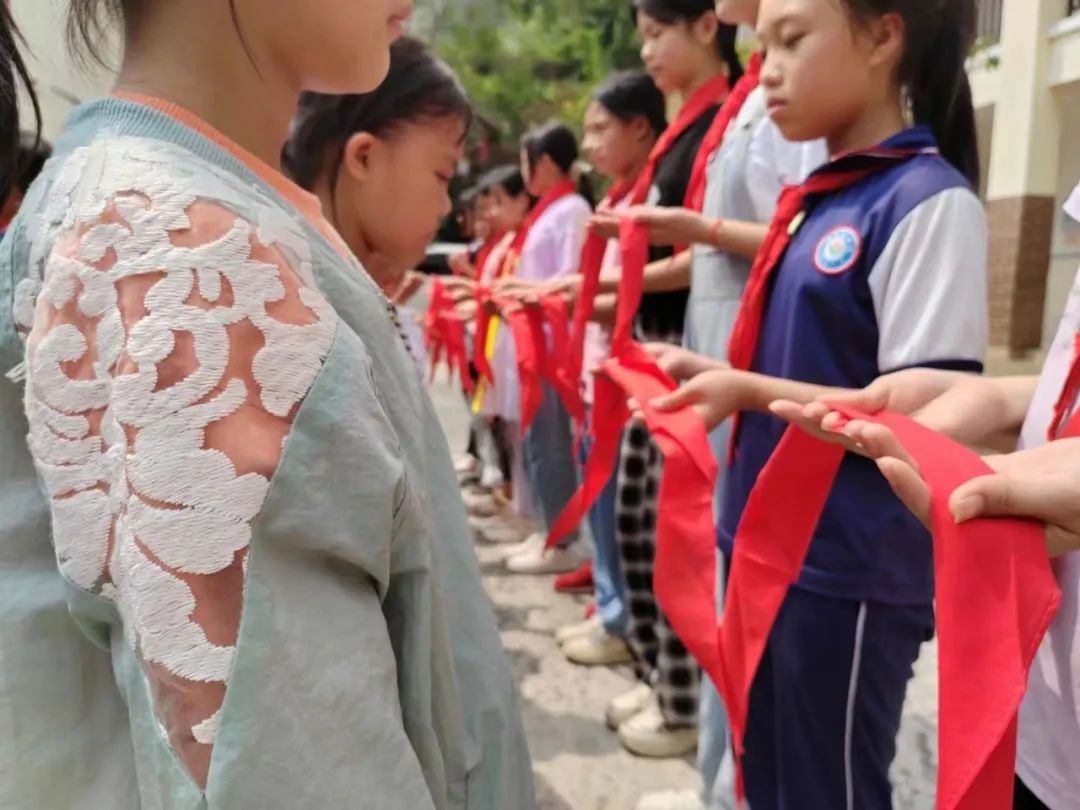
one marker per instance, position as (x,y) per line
(579,764)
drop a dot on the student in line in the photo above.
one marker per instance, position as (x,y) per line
(623,121)
(689,55)
(876,263)
(381,164)
(1034,420)
(746,173)
(550,243)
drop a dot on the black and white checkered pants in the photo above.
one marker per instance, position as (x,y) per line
(662,660)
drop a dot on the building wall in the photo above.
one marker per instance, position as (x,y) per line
(60,83)
(1065,250)
(1027,96)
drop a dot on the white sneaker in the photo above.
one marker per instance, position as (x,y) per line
(466,463)
(467,468)
(564,634)
(545,561)
(491,477)
(647,735)
(483,504)
(671,800)
(627,705)
(597,649)
(533,544)
(505,527)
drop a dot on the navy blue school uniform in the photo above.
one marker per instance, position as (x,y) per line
(887,274)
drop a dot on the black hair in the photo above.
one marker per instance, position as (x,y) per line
(88,24)
(687,12)
(933,71)
(508,178)
(467,198)
(33,153)
(13,75)
(417,88)
(559,143)
(633,94)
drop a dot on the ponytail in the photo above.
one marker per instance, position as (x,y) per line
(633,94)
(579,173)
(13,74)
(933,72)
(940,90)
(558,143)
(726,36)
(670,12)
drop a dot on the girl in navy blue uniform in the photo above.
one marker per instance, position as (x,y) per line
(877,263)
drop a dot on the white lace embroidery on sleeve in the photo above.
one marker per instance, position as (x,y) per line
(170,346)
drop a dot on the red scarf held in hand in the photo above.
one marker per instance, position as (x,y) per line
(708,95)
(535,361)
(590,268)
(631,373)
(995,598)
(480,337)
(527,326)
(555,311)
(695,191)
(484,296)
(445,334)
(526,323)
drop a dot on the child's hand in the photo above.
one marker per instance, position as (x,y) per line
(856,436)
(605,224)
(410,286)
(671,226)
(716,395)
(679,363)
(461,266)
(568,286)
(466,309)
(973,410)
(903,391)
(1040,484)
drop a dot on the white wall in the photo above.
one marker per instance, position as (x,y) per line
(59,82)
(1065,256)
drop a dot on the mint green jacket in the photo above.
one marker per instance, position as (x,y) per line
(235,570)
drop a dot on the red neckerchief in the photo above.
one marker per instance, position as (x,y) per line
(564,189)
(1061,426)
(708,95)
(628,362)
(484,254)
(995,597)
(527,326)
(695,192)
(791,209)
(526,323)
(444,333)
(484,296)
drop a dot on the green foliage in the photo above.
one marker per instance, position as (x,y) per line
(525,62)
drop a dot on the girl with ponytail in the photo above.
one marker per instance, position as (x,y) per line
(747,163)
(689,54)
(221,586)
(876,262)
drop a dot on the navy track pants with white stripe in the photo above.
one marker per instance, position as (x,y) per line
(826,703)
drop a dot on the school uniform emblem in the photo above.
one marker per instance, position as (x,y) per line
(838,251)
